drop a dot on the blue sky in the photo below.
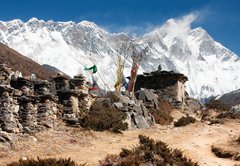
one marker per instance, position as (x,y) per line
(221,18)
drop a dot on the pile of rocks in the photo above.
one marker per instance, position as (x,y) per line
(8,110)
(27,113)
(193,105)
(138,115)
(47,113)
(148,97)
(235,109)
(5,73)
(72,94)
(165,96)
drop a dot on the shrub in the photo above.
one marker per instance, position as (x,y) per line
(221,153)
(215,121)
(183,121)
(163,114)
(104,117)
(161,117)
(230,115)
(149,152)
(113,96)
(238,140)
(217,104)
(44,162)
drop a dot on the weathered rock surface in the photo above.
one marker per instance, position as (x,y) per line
(138,116)
(235,109)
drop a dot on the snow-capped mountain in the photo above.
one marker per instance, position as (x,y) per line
(211,68)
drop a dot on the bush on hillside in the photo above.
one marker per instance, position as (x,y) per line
(104,117)
(222,153)
(217,104)
(183,121)
(163,114)
(230,115)
(219,152)
(238,140)
(161,117)
(45,162)
(215,121)
(149,152)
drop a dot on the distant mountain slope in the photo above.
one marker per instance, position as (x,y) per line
(23,64)
(211,68)
(231,98)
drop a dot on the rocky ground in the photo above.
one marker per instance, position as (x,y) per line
(89,147)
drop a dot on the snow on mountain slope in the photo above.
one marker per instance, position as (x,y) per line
(211,68)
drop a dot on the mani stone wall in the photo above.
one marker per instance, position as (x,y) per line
(170,82)
(30,105)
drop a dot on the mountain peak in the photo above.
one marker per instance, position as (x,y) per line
(88,24)
(33,19)
(15,21)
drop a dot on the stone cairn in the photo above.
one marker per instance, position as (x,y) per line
(138,115)
(71,94)
(47,108)
(164,95)
(27,103)
(8,110)
(8,104)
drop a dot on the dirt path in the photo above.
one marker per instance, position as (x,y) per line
(89,147)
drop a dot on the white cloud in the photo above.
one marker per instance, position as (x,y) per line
(175,27)
(180,27)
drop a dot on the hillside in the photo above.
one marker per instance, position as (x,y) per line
(231,98)
(23,64)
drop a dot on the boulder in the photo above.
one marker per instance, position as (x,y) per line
(145,110)
(126,100)
(149,95)
(5,137)
(141,122)
(137,109)
(118,105)
(235,109)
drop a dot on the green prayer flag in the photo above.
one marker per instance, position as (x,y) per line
(93,68)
